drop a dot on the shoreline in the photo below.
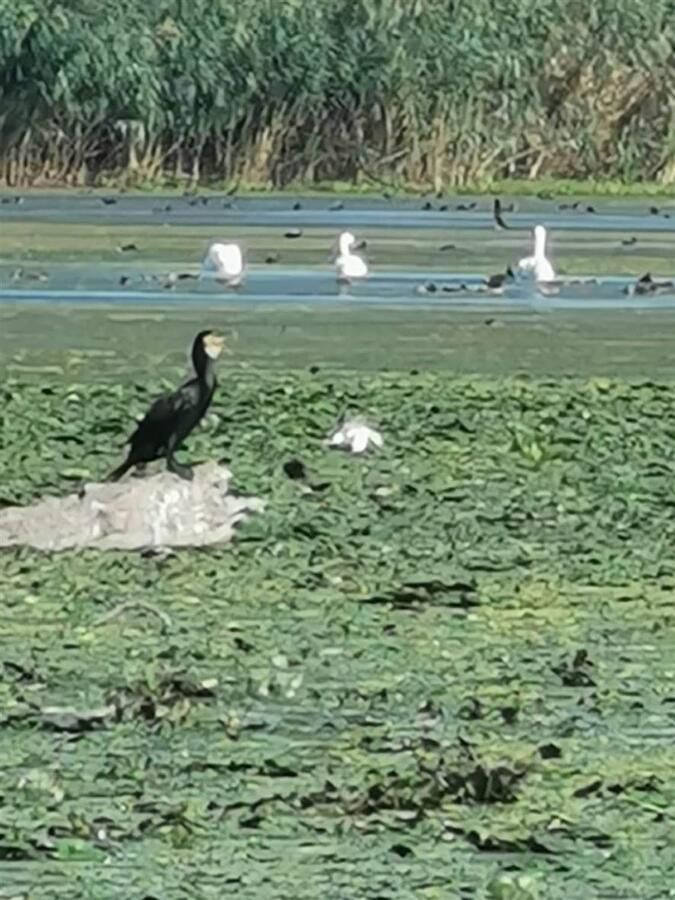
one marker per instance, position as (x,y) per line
(544,189)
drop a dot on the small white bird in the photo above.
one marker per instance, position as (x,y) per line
(226,261)
(349,266)
(537,266)
(356,436)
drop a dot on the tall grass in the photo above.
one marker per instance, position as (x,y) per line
(439,92)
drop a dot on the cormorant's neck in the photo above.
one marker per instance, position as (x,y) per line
(205,367)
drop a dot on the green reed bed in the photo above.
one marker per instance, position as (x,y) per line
(270,93)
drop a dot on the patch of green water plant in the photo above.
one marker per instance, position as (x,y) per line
(441,660)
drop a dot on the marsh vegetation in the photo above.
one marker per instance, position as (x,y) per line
(274,93)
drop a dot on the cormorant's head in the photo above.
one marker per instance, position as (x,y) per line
(212,343)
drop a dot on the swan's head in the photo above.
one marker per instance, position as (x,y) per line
(539,240)
(345,242)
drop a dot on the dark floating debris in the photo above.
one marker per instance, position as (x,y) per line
(337,206)
(590,209)
(108,201)
(297,205)
(497,214)
(173,278)
(293,233)
(20,273)
(654,210)
(571,206)
(447,247)
(17,201)
(629,242)
(163,209)
(126,248)
(295,469)
(550,751)
(124,280)
(272,258)
(35,276)
(443,207)
(466,207)
(577,672)
(428,206)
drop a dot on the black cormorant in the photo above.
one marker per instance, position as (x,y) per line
(173,416)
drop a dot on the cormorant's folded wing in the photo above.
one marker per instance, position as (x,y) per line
(164,409)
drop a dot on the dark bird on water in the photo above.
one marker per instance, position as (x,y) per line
(495,282)
(173,416)
(648,285)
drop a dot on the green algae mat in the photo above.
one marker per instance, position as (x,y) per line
(441,670)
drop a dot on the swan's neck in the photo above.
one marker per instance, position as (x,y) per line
(344,244)
(540,244)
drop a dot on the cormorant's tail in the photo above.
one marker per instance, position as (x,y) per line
(120,470)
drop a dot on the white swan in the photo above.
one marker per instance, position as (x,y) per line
(349,265)
(537,266)
(226,261)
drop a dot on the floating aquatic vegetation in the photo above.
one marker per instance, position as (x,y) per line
(452,659)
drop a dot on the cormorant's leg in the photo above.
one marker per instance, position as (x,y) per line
(175,467)
(120,470)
